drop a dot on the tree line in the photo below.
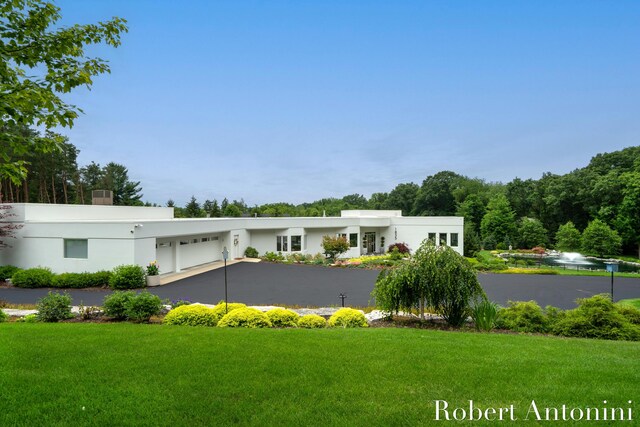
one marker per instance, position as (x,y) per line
(518,214)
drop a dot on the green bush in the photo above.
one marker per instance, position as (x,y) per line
(99,279)
(3,316)
(281,318)
(219,309)
(348,318)
(251,252)
(29,318)
(33,278)
(245,318)
(484,315)
(312,321)
(597,317)
(631,313)
(127,277)
(6,271)
(273,257)
(114,305)
(191,315)
(54,307)
(141,307)
(521,316)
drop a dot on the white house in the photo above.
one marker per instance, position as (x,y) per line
(77,238)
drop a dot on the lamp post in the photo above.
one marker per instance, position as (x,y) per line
(225,256)
(342,297)
(612,267)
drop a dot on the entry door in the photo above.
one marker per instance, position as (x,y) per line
(370,242)
(236,245)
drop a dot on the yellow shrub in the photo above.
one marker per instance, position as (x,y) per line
(281,318)
(348,318)
(219,309)
(191,315)
(245,318)
(312,321)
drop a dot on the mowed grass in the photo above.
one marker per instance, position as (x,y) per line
(126,374)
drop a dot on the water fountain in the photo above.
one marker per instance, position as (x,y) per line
(573,259)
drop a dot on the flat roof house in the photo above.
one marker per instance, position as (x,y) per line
(77,238)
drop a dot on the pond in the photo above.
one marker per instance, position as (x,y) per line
(577,262)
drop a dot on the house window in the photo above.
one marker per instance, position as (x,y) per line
(205,239)
(282,243)
(194,240)
(76,248)
(454,239)
(296,243)
(214,238)
(432,237)
(443,239)
(353,240)
(342,235)
(184,242)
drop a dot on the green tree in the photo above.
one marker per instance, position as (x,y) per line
(215,209)
(531,233)
(232,210)
(599,239)
(628,218)
(115,177)
(39,61)
(334,246)
(435,196)
(403,197)
(473,210)
(472,242)
(192,209)
(568,238)
(436,277)
(499,220)
(378,201)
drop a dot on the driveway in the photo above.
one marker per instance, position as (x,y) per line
(304,285)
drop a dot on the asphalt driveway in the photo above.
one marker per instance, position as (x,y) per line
(303,285)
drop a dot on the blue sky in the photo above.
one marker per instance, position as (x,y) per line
(298,100)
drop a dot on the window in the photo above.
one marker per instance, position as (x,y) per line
(454,239)
(296,243)
(184,242)
(282,243)
(76,248)
(443,239)
(353,240)
(342,235)
(194,240)
(432,237)
(214,238)
(205,239)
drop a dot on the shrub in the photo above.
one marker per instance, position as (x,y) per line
(312,321)
(114,304)
(127,277)
(6,271)
(245,318)
(403,248)
(395,255)
(29,318)
(179,303)
(484,315)
(631,313)
(140,308)
(99,279)
(70,280)
(597,317)
(334,246)
(251,252)
(191,315)
(521,316)
(219,309)
(33,278)
(54,307)
(281,318)
(546,271)
(3,316)
(348,318)
(273,257)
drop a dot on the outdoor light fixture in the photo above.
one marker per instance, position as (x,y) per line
(342,297)
(612,267)
(225,256)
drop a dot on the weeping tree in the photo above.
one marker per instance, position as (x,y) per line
(437,277)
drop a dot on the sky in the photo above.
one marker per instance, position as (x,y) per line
(293,101)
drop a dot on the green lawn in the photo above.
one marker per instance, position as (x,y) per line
(125,374)
(634,302)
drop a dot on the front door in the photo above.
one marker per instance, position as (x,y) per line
(369,242)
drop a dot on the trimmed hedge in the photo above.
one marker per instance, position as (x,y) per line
(114,305)
(6,271)
(191,315)
(219,309)
(348,318)
(141,307)
(251,252)
(128,277)
(312,321)
(245,318)
(282,318)
(523,316)
(38,277)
